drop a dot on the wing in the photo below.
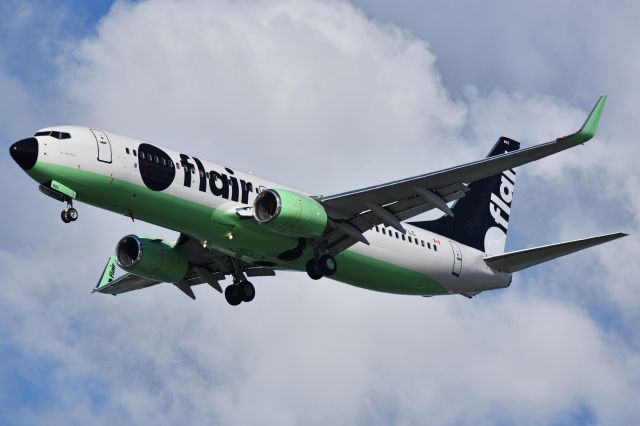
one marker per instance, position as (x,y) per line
(205,266)
(358,211)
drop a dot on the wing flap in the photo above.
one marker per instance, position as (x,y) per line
(125,283)
(522,259)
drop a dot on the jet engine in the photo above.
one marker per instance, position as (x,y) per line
(151,258)
(290,213)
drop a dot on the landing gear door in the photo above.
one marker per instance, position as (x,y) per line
(104,146)
(457,258)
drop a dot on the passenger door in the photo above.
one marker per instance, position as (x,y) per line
(104,146)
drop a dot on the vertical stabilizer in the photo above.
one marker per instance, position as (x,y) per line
(481,218)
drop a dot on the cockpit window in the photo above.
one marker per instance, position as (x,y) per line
(54,134)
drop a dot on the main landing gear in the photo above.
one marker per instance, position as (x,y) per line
(238,292)
(322,266)
(241,290)
(69,214)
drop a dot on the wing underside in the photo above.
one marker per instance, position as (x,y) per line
(205,266)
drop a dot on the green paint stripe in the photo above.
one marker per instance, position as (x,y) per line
(214,226)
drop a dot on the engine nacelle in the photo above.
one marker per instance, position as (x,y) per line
(151,258)
(290,213)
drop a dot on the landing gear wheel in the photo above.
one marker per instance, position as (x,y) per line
(72,214)
(327,265)
(65,217)
(233,295)
(313,270)
(247,290)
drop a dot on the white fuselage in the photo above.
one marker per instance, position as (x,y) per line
(221,190)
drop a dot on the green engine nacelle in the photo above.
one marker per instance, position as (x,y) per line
(290,213)
(151,258)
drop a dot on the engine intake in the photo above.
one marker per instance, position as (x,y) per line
(151,258)
(289,213)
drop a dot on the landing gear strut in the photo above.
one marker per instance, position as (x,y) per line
(69,214)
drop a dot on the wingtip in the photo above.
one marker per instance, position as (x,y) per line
(590,126)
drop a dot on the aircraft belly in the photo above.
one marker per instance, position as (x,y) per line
(368,272)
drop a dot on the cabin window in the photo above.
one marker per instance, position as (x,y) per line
(429,246)
(163,161)
(384,232)
(127,150)
(410,240)
(422,241)
(134,152)
(417,241)
(142,155)
(397,235)
(403,238)
(178,166)
(435,247)
(156,159)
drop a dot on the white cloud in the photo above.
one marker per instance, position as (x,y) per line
(293,90)
(314,80)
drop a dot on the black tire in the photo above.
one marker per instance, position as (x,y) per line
(247,290)
(72,214)
(313,270)
(232,294)
(327,265)
(65,217)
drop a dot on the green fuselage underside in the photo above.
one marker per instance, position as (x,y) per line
(249,242)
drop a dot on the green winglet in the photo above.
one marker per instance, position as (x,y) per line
(108,275)
(590,126)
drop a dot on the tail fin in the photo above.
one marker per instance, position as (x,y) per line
(481,219)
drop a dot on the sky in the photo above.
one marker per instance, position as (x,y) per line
(327,96)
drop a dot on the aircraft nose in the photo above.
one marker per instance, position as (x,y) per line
(25,152)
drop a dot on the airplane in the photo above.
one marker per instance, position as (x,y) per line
(233,224)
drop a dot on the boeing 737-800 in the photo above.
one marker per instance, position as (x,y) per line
(238,225)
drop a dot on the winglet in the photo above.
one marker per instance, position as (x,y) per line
(590,126)
(108,274)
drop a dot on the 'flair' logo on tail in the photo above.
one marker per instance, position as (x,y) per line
(500,209)
(500,205)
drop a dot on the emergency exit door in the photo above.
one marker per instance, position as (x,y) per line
(104,146)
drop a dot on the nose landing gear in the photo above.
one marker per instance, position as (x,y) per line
(69,214)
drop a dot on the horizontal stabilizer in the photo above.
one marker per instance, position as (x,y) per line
(517,260)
